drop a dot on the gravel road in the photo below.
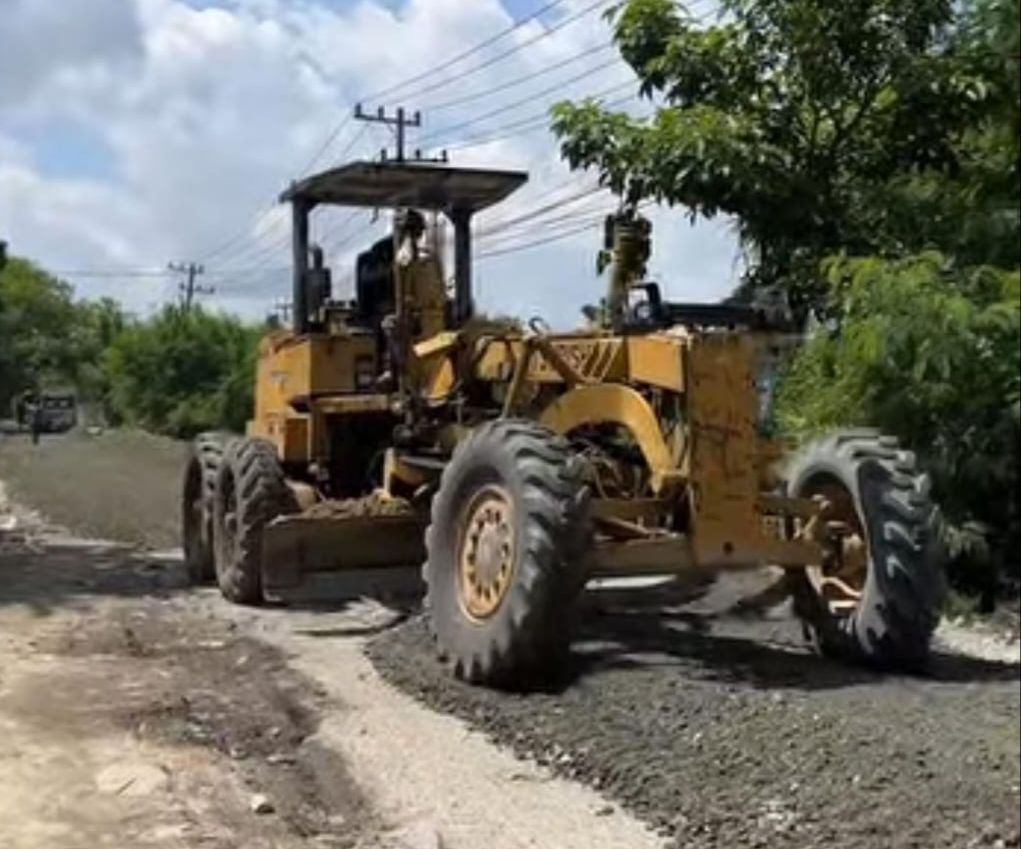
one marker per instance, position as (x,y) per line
(726,733)
(723,731)
(137,711)
(717,729)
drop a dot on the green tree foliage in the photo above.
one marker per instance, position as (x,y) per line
(183,372)
(41,340)
(798,118)
(176,373)
(930,353)
(868,152)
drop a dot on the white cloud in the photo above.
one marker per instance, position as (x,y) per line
(45,42)
(207,113)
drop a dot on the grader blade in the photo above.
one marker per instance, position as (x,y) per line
(294,546)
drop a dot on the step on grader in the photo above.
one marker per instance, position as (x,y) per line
(516,463)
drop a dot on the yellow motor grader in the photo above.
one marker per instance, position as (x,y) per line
(398,428)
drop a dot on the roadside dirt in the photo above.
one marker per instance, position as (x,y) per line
(138,712)
(143,723)
(717,729)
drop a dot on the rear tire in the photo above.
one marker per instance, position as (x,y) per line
(197,505)
(507,553)
(251,491)
(892,624)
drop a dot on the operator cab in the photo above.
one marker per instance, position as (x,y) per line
(456,193)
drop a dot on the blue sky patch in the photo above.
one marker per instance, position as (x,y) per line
(65,149)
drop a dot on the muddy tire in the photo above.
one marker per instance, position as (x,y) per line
(892,623)
(197,505)
(251,491)
(506,553)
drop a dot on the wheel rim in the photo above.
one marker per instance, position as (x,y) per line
(840,578)
(485,556)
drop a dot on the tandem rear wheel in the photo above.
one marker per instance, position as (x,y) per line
(198,498)
(251,491)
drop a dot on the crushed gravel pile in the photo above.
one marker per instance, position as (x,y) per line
(724,732)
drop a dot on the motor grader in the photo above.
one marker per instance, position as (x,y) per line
(516,463)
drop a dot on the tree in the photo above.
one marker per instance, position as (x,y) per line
(929,352)
(868,151)
(183,372)
(795,117)
(38,327)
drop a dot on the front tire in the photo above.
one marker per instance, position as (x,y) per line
(197,505)
(506,552)
(889,619)
(251,492)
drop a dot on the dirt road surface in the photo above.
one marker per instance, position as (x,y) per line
(136,711)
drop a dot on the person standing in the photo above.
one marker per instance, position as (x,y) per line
(36,418)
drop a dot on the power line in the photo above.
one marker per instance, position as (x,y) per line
(536,243)
(337,130)
(253,252)
(410,81)
(547,225)
(499,57)
(574,231)
(539,120)
(478,48)
(524,101)
(330,139)
(111,272)
(592,213)
(260,215)
(468,98)
(272,240)
(531,214)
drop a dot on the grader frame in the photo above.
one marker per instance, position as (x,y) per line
(538,459)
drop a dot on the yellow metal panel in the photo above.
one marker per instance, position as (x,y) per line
(657,361)
(438,378)
(592,357)
(288,432)
(291,367)
(441,343)
(433,368)
(334,360)
(722,405)
(614,402)
(657,556)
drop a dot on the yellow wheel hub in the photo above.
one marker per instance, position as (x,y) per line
(840,578)
(486,552)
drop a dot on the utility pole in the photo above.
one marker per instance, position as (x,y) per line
(400,120)
(283,309)
(189,289)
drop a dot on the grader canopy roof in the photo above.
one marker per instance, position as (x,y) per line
(398,184)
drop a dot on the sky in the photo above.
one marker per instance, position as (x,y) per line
(134,133)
